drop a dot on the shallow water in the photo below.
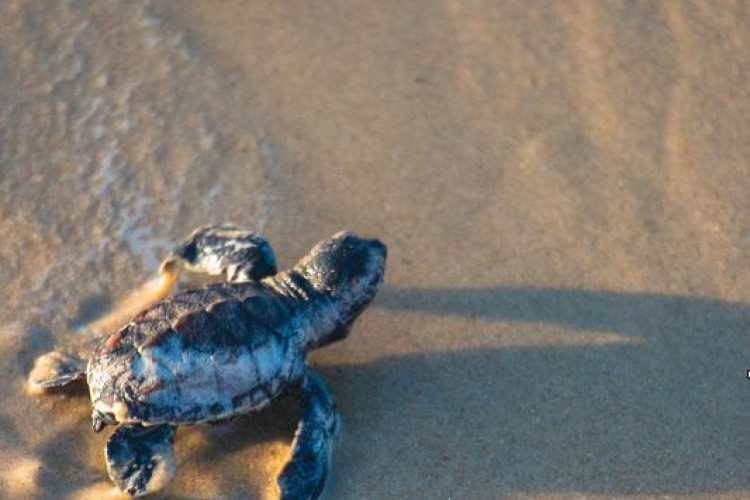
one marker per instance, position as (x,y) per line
(114,147)
(564,190)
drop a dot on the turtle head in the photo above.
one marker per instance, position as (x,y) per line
(348,268)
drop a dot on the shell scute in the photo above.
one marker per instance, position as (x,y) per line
(267,310)
(239,327)
(195,329)
(199,356)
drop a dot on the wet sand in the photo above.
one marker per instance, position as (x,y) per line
(564,190)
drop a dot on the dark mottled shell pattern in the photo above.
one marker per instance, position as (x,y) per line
(200,356)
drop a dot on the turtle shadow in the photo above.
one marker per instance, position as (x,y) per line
(663,415)
(643,315)
(232,454)
(277,422)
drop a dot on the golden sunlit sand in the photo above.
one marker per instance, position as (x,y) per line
(563,188)
(150,292)
(20,477)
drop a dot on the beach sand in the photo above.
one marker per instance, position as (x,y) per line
(564,189)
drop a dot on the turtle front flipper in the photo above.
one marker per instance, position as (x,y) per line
(55,369)
(237,254)
(140,459)
(304,476)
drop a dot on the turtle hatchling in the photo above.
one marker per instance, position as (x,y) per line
(206,355)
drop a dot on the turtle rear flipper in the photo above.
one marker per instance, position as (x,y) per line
(55,369)
(140,459)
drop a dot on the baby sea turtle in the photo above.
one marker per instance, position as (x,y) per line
(206,355)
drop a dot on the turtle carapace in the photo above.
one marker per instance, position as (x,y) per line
(229,348)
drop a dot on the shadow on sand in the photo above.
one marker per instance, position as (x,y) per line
(663,416)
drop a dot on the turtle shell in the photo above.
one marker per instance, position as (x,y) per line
(203,355)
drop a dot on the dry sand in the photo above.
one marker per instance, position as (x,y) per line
(564,188)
